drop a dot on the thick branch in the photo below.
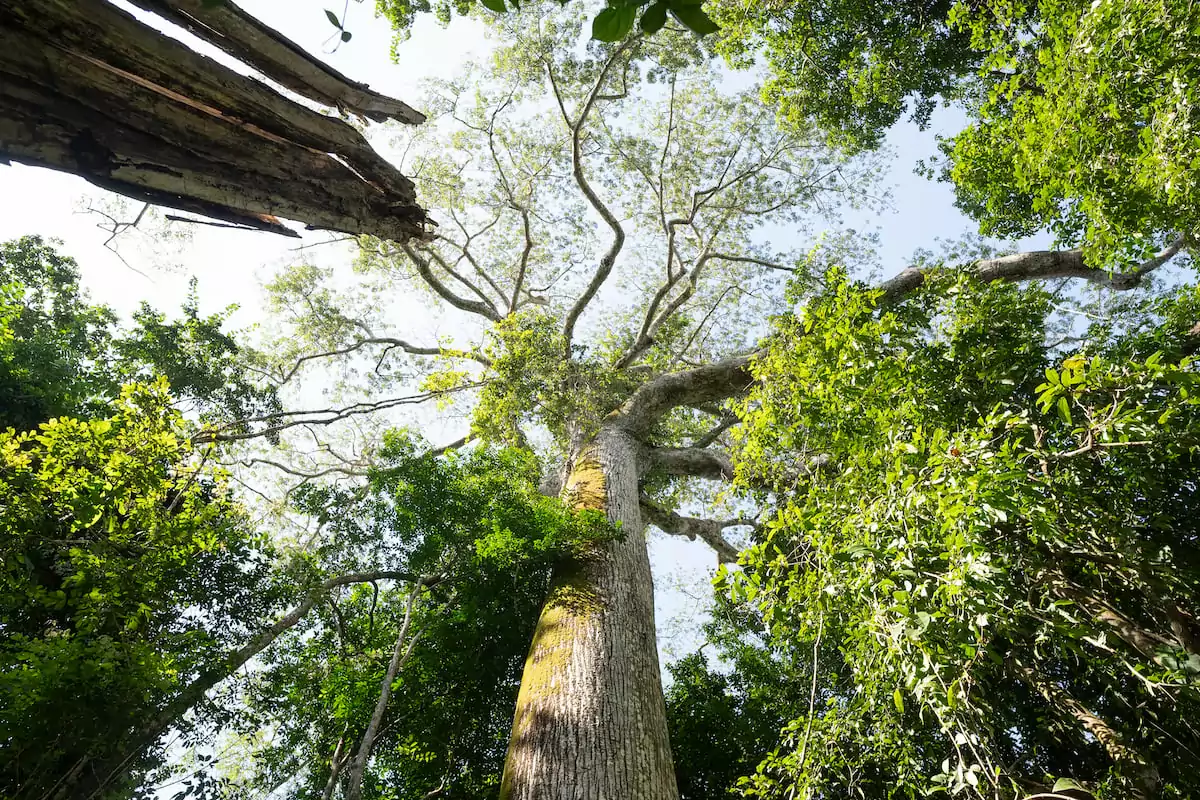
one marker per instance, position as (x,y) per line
(695,387)
(486,310)
(1038,265)
(1121,753)
(693,462)
(710,531)
(727,422)
(729,378)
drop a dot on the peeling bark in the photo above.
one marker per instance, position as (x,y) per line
(231,29)
(87,89)
(590,722)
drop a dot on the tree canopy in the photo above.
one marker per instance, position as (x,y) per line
(956,508)
(992,534)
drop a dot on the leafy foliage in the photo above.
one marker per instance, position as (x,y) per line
(477,523)
(611,24)
(725,716)
(851,66)
(126,568)
(998,539)
(1092,127)
(59,355)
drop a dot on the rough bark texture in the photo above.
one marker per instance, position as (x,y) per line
(1144,774)
(590,722)
(228,27)
(87,89)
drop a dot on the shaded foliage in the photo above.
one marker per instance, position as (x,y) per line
(998,537)
(478,523)
(61,355)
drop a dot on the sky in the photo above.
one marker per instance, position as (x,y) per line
(231,265)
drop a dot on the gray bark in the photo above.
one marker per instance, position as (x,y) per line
(710,531)
(693,462)
(87,89)
(590,722)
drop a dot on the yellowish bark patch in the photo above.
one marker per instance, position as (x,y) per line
(586,486)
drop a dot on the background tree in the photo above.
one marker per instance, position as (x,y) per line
(478,523)
(127,566)
(995,533)
(64,356)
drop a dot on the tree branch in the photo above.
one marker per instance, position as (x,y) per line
(1039,265)
(727,422)
(411,349)
(486,310)
(692,462)
(1109,739)
(706,384)
(400,655)
(709,531)
(227,431)
(729,378)
(195,690)
(609,259)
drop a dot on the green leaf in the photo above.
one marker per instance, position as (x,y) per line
(494,5)
(334,19)
(898,699)
(654,17)
(1066,784)
(1064,410)
(613,24)
(695,19)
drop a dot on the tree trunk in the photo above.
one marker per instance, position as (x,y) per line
(1139,769)
(591,721)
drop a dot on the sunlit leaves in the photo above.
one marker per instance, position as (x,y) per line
(958,507)
(126,568)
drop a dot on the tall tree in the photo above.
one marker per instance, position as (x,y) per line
(554,214)
(639,191)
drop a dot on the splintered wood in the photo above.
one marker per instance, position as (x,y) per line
(85,88)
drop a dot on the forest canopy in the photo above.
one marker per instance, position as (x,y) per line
(403,538)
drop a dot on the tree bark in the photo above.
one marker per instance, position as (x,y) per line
(590,722)
(1140,770)
(87,89)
